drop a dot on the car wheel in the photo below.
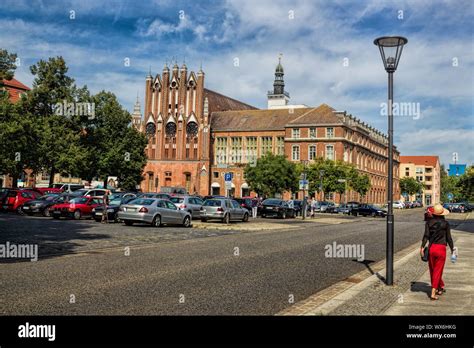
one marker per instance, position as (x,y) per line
(77,214)
(187,221)
(157,221)
(46,212)
(128,222)
(246,217)
(283,215)
(226,218)
(116,218)
(203,220)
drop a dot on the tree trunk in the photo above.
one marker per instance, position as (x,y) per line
(14,181)
(52,172)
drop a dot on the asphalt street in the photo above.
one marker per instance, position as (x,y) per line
(181,271)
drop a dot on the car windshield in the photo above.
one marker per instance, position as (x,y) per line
(212,203)
(142,201)
(79,200)
(177,199)
(271,202)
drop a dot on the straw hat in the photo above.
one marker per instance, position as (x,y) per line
(439,210)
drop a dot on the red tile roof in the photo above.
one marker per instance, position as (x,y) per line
(220,102)
(14,87)
(420,160)
(272,119)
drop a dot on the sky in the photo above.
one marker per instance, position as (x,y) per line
(326,46)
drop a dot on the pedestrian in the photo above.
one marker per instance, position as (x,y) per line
(313,204)
(254,208)
(105,203)
(438,233)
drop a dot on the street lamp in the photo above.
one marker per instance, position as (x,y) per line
(390,49)
(304,178)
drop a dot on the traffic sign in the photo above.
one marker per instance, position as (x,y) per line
(450,196)
(304,184)
(228,177)
(228,185)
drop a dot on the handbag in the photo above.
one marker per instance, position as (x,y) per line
(426,253)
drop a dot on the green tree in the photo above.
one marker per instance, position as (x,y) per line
(59,149)
(449,185)
(410,186)
(7,64)
(272,174)
(361,184)
(18,132)
(113,147)
(465,185)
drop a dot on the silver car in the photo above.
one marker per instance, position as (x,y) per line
(191,204)
(223,209)
(153,211)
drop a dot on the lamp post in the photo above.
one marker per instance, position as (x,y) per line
(390,49)
(304,178)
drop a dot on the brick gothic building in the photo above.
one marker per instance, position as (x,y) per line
(196,135)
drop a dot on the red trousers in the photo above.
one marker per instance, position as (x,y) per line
(437,258)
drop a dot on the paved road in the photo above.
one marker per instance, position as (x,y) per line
(180,271)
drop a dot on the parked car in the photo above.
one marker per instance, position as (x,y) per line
(45,190)
(277,207)
(459,208)
(154,195)
(174,190)
(68,187)
(343,208)
(223,209)
(43,204)
(190,204)
(122,194)
(112,208)
(298,206)
(14,198)
(398,205)
(153,211)
(371,210)
(89,192)
(76,207)
(353,208)
(246,203)
(213,196)
(330,208)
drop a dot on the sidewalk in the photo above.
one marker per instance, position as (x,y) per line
(366,294)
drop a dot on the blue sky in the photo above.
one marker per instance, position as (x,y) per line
(315,37)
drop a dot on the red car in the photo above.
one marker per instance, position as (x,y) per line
(76,208)
(14,198)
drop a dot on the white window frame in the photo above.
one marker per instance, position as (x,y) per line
(333,152)
(315,152)
(295,133)
(293,147)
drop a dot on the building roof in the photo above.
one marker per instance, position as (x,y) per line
(14,88)
(272,119)
(220,102)
(420,160)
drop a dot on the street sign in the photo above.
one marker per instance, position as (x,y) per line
(228,177)
(304,184)
(303,176)
(450,196)
(228,185)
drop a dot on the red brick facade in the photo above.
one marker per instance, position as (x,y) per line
(197,135)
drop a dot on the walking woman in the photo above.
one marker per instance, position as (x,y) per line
(438,233)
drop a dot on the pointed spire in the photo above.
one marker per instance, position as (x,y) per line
(200,72)
(165,68)
(149,77)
